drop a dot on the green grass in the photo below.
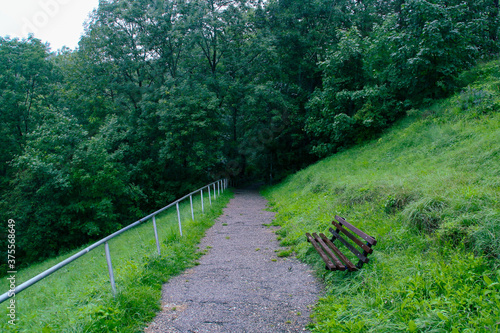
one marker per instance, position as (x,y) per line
(429,191)
(78,297)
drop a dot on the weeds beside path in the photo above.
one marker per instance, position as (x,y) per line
(240,285)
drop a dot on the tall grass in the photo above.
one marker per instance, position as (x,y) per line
(429,191)
(78,297)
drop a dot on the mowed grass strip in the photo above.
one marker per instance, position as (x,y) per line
(429,191)
(78,297)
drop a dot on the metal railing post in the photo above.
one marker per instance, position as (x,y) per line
(110,268)
(179,217)
(202,206)
(5,296)
(156,235)
(209,196)
(192,211)
(218,188)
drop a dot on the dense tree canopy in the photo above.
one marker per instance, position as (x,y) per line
(162,96)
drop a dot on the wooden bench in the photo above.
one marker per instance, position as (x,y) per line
(332,256)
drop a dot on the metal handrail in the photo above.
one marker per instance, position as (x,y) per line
(222,183)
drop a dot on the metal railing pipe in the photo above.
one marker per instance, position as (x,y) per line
(77,255)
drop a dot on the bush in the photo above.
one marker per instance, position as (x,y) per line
(454,231)
(425,214)
(486,236)
(398,201)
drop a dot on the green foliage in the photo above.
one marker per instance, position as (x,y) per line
(42,187)
(397,201)
(164,96)
(404,59)
(73,184)
(195,148)
(25,75)
(78,298)
(425,214)
(285,253)
(485,237)
(428,191)
(435,296)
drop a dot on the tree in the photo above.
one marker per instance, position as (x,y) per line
(25,78)
(42,185)
(136,48)
(397,61)
(163,96)
(194,132)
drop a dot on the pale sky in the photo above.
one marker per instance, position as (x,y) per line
(58,22)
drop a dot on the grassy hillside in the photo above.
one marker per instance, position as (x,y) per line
(78,297)
(429,191)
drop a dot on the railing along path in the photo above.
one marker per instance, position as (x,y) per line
(217,187)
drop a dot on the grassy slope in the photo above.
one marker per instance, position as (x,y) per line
(429,191)
(78,297)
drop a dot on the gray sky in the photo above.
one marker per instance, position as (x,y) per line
(59,22)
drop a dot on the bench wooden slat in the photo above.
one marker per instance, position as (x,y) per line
(347,234)
(358,232)
(340,266)
(349,246)
(347,262)
(323,256)
(353,238)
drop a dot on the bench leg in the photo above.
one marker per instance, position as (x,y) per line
(360,263)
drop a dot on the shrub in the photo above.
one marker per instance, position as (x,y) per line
(453,231)
(398,201)
(477,101)
(355,196)
(486,236)
(425,214)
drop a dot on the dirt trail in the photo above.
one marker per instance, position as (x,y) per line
(240,285)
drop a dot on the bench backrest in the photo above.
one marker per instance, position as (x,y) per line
(345,229)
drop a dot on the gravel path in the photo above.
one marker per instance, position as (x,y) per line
(240,285)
